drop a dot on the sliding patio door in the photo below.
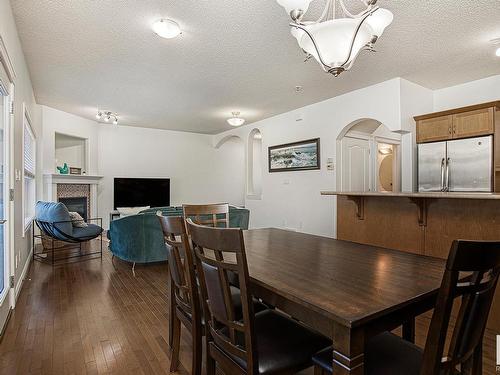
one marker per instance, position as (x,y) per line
(5,266)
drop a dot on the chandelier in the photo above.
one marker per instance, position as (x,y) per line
(336,42)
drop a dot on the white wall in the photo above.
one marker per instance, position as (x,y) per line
(198,172)
(55,121)
(292,199)
(475,92)
(23,94)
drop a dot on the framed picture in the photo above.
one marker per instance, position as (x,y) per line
(297,156)
(74,170)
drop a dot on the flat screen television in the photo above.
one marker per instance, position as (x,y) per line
(137,192)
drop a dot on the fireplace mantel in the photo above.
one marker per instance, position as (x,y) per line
(52,180)
(55,178)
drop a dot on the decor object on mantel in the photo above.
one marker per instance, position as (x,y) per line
(296,156)
(336,42)
(75,170)
(64,169)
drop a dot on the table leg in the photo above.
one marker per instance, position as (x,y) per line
(348,350)
(409,330)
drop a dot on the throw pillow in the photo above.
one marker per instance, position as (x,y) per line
(129,211)
(77,220)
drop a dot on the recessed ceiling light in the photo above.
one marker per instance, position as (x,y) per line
(166,28)
(236,120)
(498,52)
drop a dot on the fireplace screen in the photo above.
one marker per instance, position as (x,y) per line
(76,205)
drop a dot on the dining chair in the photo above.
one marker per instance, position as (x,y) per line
(266,342)
(389,354)
(185,305)
(214,215)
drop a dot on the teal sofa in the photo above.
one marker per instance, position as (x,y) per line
(139,239)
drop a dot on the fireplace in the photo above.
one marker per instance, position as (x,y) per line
(76,204)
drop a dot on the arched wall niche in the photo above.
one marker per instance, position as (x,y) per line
(254,165)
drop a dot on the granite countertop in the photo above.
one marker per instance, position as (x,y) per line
(442,195)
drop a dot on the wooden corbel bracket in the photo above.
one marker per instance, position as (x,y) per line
(360,204)
(422,205)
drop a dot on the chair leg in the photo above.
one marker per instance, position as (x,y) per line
(210,363)
(133,269)
(197,351)
(477,360)
(176,343)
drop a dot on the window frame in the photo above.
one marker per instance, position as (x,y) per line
(28,124)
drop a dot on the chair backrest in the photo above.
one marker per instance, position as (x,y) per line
(53,220)
(218,252)
(181,265)
(479,261)
(214,215)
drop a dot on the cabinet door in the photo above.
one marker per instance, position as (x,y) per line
(473,123)
(434,129)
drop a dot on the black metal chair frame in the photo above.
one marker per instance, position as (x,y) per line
(51,230)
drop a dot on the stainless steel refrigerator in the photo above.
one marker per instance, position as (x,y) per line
(458,165)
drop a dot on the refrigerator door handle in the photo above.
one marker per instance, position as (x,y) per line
(442,174)
(447,186)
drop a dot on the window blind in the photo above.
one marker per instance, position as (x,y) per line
(29,152)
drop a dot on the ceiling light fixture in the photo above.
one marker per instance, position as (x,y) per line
(236,120)
(166,28)
(336,42)
(498,52)
(107,116)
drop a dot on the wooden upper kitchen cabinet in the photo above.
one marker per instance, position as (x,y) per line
(435,129)
(473,123)
(465,122)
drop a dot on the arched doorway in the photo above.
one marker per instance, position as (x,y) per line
(368,158)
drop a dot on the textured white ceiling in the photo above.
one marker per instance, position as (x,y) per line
(232,55)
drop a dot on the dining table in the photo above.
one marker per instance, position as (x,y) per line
(347,291)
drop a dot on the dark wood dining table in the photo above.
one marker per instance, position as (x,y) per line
(347,291)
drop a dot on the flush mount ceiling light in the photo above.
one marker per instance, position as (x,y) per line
(236,120)
(107,116)
(336,42)
(166,28)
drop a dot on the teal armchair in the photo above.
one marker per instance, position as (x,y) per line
(139,239)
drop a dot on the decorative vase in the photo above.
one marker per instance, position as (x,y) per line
(64,169)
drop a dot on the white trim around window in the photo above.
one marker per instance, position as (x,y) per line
(28,171)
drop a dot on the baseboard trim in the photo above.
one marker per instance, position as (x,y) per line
(20,283)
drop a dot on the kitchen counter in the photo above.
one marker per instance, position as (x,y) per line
(431,195)
(421,223)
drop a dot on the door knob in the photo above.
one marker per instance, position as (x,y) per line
(2,222)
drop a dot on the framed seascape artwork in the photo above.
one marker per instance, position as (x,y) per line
(297,156)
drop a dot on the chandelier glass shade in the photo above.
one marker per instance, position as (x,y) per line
(335,43)
(236,120)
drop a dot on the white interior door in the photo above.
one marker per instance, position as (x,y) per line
(5,269)
(355,164)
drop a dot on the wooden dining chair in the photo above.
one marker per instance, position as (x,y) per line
(389,354)
(214,215)
(185,305)
(257,343)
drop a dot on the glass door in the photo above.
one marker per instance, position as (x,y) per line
(4,199)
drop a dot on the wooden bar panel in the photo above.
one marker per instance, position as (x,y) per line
(388,222)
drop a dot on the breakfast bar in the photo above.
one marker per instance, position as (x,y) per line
(420,223)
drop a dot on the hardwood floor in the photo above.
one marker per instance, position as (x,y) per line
(95,317)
